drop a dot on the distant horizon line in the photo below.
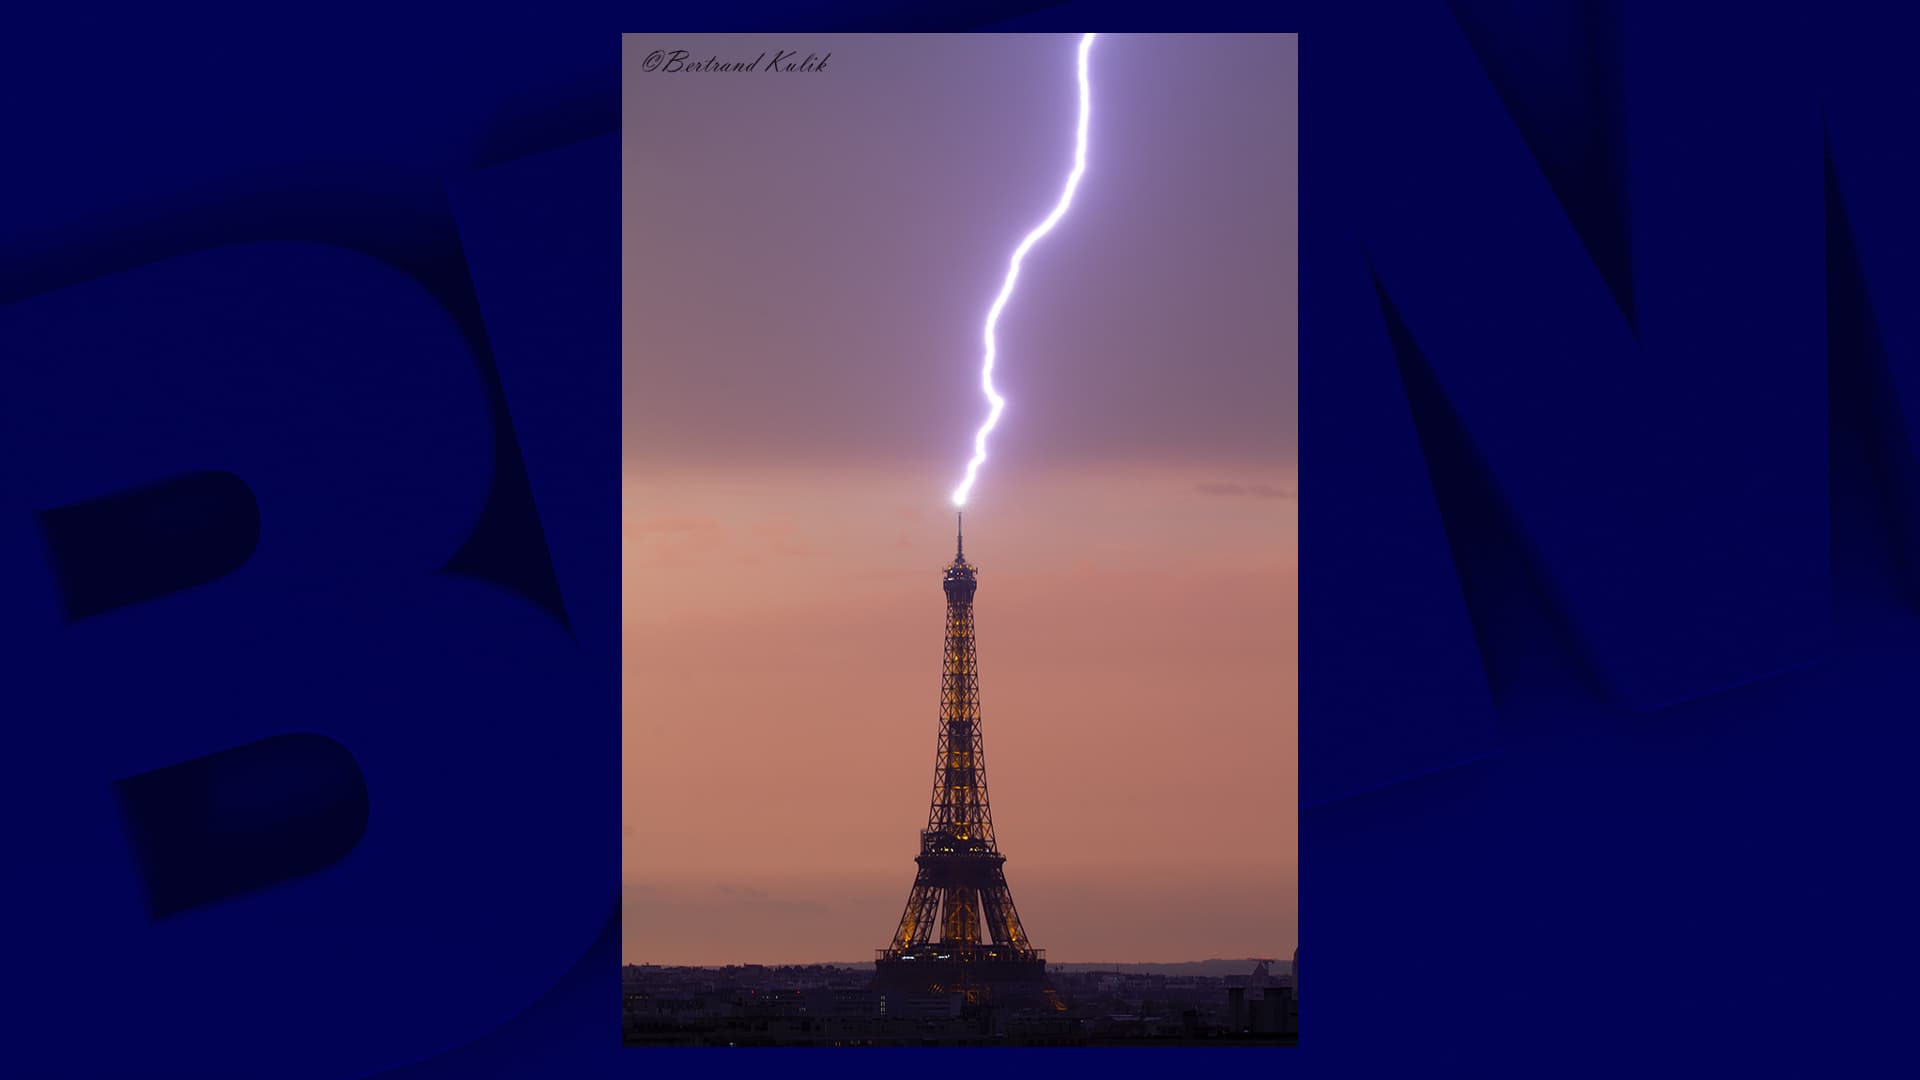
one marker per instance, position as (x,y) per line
(1287,959)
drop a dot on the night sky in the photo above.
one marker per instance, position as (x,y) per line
(808,260)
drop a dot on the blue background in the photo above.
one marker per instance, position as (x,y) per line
(309,531)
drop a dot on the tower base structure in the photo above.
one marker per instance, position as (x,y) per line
(985,974)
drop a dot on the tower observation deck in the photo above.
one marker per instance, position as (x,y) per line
(960,932)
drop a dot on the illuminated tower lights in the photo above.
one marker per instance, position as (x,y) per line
(960,932)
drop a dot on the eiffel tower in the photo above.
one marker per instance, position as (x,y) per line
(960,932)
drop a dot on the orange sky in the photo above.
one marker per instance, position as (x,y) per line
(791,442)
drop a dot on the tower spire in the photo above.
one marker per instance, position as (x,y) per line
(959,539)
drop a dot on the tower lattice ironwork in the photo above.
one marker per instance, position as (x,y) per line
(960,931)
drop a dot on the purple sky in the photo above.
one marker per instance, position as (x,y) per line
(808,258)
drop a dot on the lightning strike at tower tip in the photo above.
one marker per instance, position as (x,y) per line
(996,403)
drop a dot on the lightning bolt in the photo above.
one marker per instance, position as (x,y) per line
(997,402)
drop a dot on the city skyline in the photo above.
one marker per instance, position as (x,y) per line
(801,385)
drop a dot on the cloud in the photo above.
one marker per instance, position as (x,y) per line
(675,540)
(715,898)
(676,524)
(781,536)
(1254,491)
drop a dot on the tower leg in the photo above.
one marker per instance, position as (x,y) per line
(1003,921)
(919,921)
